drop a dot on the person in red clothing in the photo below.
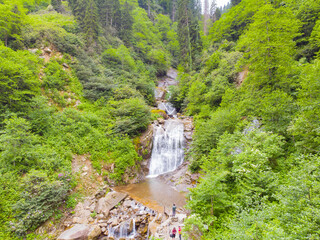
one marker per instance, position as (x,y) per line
(179,232)
(174,232)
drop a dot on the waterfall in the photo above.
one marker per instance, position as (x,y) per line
(167,153)
(168,108)
(126,230)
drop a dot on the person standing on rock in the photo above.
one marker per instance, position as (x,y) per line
(174,232)
(174,210)
(179,232)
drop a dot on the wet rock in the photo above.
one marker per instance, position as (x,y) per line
(159,218)
(114,222)
(141,213)
(160,93)
(161,120)
(172,73)
(143,229)
(188,136)
(131,225)
(138,220)
(174,219)
(188,126)
(81,232)
(94,233)
(104,224)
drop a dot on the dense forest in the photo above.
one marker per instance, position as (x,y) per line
(77,78)
(255,97)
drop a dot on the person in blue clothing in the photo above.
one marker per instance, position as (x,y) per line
(174,210)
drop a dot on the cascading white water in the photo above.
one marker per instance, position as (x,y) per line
(168,108)
(167,153)
(126,230)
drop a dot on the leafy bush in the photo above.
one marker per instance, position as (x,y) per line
(39,200)
(132,116)
(18,78)
(55,76)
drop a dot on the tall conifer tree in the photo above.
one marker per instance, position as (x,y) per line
(90,22)
(125,28)
(184,21)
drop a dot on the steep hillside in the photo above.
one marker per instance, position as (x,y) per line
(255,100)
(77,81)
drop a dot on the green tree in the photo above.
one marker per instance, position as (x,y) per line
(18,78)
(109,13)
(305,125)
(16,143)
(125,28)
(184,22)
(271,54)
(90,22)
(57,5)
(10,23)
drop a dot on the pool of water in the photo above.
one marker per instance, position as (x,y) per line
(154,194)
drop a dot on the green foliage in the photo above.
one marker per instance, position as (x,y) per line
(256,117)
(270,56)
(305,126)
(147,43)
(316,35)
(132,117)
(76,100)
(231,25)
(52,28)
(72,200)
(119,56)
(124,157)
(55,76)
(39,200)
(18,78)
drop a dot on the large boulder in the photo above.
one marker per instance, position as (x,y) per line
(81,232)
(105,204)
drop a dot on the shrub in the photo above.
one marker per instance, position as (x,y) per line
(132,115)
(39,200)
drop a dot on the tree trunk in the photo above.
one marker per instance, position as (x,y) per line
(205,17)
(173,10)
(149,9)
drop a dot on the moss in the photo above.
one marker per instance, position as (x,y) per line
(158,111)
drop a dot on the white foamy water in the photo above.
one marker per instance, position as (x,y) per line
(168,143)
(168,108)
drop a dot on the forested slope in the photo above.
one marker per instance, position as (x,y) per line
(255,100)
(76,79)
